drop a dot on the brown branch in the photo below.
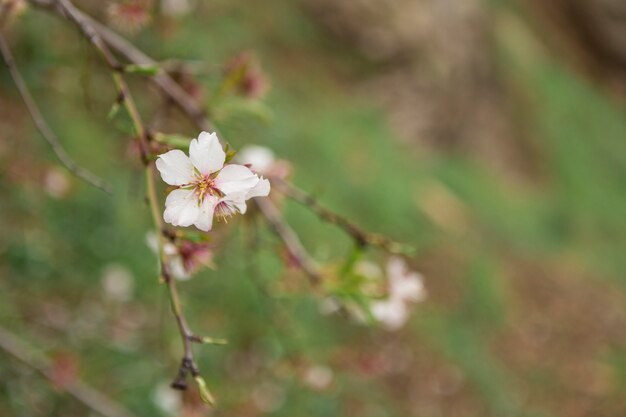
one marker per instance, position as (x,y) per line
(69,11)
(290,239)
(44,129)
(360,236)
(78,389)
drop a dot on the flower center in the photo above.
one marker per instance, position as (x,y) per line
(206,186)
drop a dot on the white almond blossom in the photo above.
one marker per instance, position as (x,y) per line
(205,186)
(404,286)
(259,158)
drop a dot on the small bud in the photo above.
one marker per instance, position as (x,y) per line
(205,394)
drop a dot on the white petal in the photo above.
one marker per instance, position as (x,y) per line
(181,208)
(259,158)
(206,153)
(392,314)
(175,167)
(410,288)
(261,189)
(204,221)
(235,179)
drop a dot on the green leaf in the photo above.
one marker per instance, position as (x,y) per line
(149,70)
(175,140)
(205,394)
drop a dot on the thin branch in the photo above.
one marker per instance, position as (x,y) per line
(290,239)
(43,127)
(360,236)
(67,9)
(188,364)
(78,389)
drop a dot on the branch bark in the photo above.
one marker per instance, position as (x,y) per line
(79,390)
(44,129)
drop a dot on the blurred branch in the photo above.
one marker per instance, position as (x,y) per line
(298,253)
(88,396)
(361,237)
(43,126)
(67,9)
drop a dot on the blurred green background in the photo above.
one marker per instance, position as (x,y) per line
(484,134)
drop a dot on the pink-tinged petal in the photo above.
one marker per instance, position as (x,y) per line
(236,179)
(204,221)
(206,153)
(181,208)
(175,167)
(261,189)
(230,205)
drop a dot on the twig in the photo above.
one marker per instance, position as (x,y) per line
(67,9)
(78,389)
(43,127)
(360,236)
(188,363)
(290,239)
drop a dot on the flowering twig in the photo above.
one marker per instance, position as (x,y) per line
(361,237)
(78,389)
(189,106)
(43,127)
(188,363)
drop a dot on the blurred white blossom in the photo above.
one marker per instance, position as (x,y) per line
(166,399)
(268,397)
(118,282)
(175,7)
(404,287)
(318,377)
(56,183)
(259,158)
(176,265)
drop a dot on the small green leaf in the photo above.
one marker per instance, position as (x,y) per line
(115,108)
(213,341)
(177,141)
(142,69)
(205,394)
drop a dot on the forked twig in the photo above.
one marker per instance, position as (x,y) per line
(79,390)
(43,127)
(361,237)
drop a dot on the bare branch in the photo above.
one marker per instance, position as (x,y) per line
(43,126)
(87,395)
(360,236)
(290,239)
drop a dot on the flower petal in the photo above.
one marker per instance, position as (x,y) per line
(236,179)
(261,189)
(204,221)
(175,167)
(181,208)
(259,158)
(206,153)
